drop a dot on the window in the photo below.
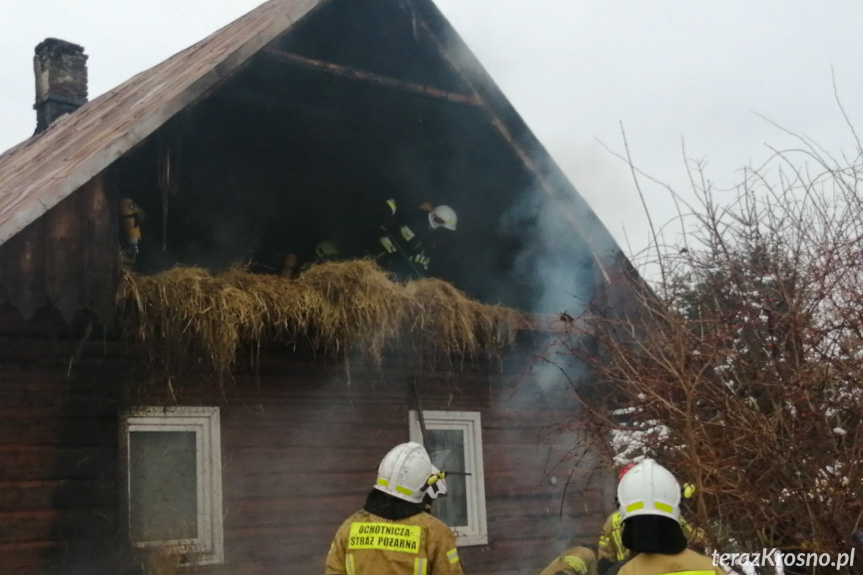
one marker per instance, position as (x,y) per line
(173,474)
(454,442)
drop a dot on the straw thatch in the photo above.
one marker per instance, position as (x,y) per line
(186,314)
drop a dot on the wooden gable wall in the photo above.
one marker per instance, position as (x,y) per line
(300,443)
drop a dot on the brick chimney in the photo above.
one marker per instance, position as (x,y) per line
(61,80)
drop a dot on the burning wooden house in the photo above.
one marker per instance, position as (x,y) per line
(167,393)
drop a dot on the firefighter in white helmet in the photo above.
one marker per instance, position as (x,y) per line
(410,240)
(393,534)
(649,498)
(611,549)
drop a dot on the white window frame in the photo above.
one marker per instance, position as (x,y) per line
(208,547)
(468,422)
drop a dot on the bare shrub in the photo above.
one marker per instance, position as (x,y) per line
(741,367)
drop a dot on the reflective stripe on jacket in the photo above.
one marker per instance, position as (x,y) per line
(573,561)
(610,543)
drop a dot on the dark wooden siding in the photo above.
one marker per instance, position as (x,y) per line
(67,259)
(300,445)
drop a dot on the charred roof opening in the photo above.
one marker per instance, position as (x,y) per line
(302,122)
(306,144)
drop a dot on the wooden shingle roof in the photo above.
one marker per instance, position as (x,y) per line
(43,170)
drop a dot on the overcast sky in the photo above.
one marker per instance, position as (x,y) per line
(574,69)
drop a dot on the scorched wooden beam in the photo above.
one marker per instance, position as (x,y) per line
(371,77)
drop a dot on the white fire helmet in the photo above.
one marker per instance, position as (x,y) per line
(443,217)
(404,472)
(649,489)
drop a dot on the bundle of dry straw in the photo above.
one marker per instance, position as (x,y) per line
(339,306)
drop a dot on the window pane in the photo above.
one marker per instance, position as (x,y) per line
(163,485)
(446,448)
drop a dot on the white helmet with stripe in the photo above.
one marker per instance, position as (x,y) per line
(443,217)
(404,472)
(649,489)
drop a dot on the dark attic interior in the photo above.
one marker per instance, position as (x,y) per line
(356,104)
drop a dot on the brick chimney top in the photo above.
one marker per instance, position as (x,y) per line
(61,80)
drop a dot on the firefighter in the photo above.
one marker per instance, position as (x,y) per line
(611,549)
(131,216)
(409,240)
(325,251)
(696,536)
(649,498)
(573,561)
(393,534)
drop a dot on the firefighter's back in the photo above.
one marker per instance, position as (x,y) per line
(367,544)
(393,534)
(687,561)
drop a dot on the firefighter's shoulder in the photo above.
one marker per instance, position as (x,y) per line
(433,525)
(360,516)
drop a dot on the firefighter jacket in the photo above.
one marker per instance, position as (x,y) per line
(573,561)
(366,544)
(687,562)
(407,238)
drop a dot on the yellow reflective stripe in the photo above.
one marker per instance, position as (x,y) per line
(605,544)
(635,506)
(392,204)
(421,566)
(382,481)
(452,555)
(388,244)
(620,552)
(696,534)
(576,563)
(404,490)
(349,564)
(662,507)
(407,233)
(603,540)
